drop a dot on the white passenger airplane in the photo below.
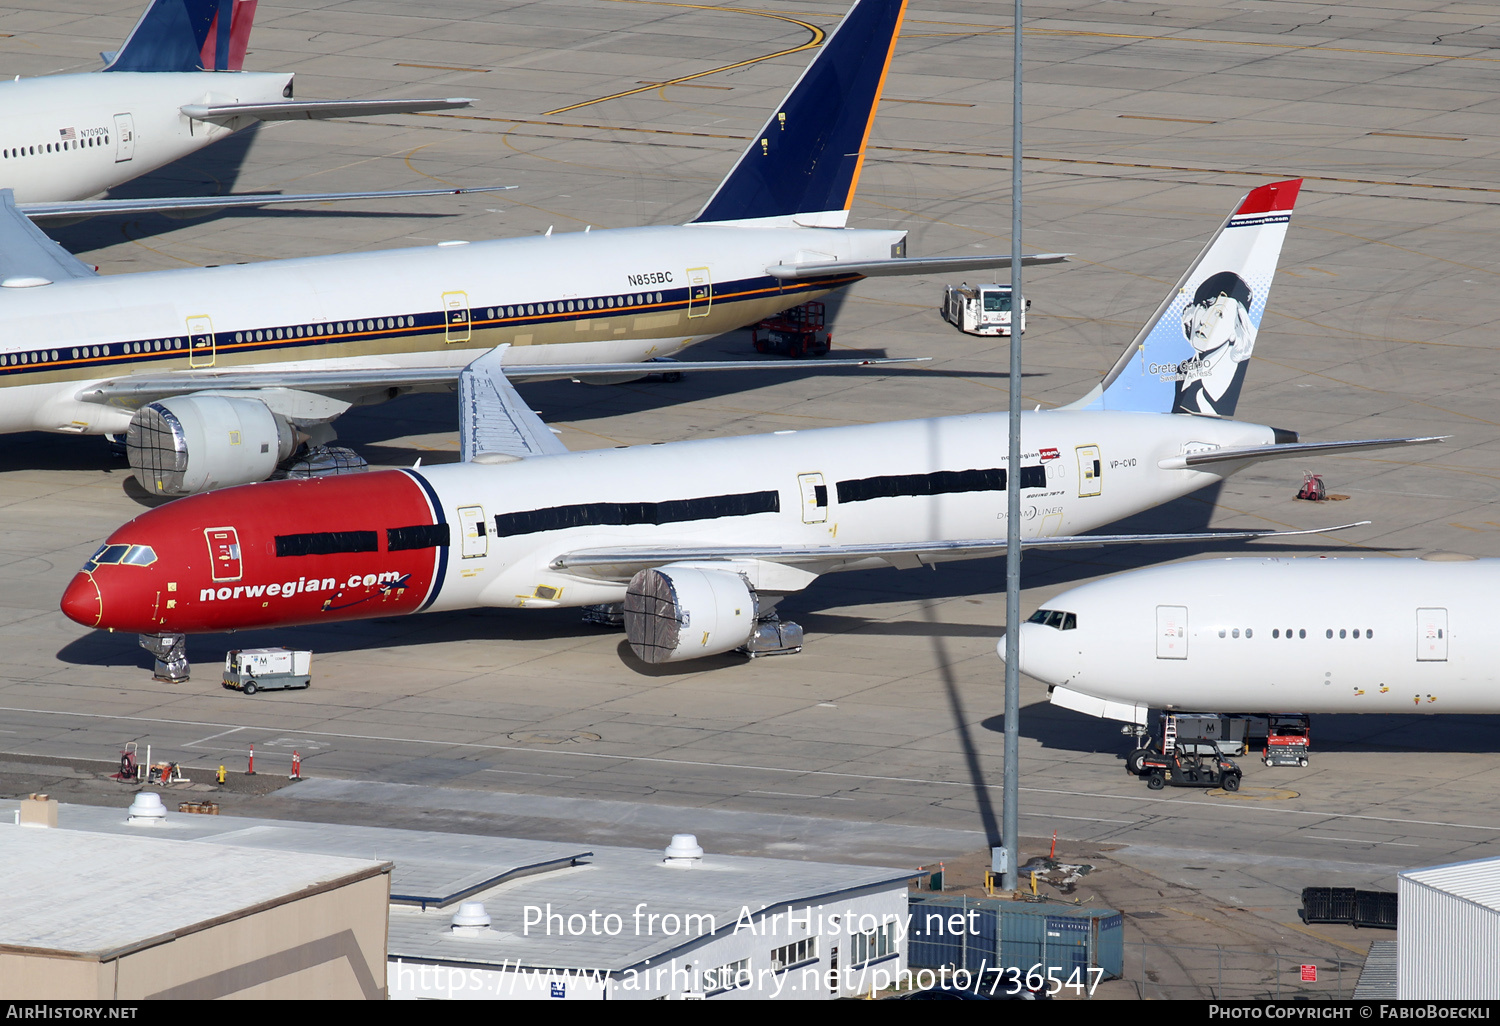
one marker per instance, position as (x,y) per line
(1274,635)
(700,539)
(301,340)
(174,87)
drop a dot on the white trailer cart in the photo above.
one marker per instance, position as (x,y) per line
(980,309)
(266,669)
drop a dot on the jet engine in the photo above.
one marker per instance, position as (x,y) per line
(675,612)
(192,443)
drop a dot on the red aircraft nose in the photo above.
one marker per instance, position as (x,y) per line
(81,602)
(263,555)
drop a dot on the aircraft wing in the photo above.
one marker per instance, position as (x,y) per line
(622,563)
(138,389)
(1256,453)
(493,418)
(908,265)
(296,110)
(77,209)
(27,255)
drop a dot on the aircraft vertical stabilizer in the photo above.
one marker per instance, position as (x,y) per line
(1192,354)
(225,51)
(805,163)
(171,36)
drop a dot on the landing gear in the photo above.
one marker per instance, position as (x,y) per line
(610,615)
(170,651)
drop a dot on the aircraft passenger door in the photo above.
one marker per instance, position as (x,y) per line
(476,536)
(1090,468)
(223,553)
(700,291)
(1432,635)
(456,317)
(201,347)
(124,138)
(814,498)
(1171,632)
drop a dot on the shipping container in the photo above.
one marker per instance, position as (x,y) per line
(981,934)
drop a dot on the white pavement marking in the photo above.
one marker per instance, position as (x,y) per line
(222,733)
(790,794)
(1359,840)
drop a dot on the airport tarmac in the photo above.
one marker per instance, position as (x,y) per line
(883,739)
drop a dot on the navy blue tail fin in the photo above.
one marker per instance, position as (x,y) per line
(807,158)
(170,36)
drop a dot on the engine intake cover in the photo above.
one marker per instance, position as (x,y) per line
(192,443)
(674,613)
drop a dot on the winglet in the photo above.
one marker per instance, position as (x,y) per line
(805,162)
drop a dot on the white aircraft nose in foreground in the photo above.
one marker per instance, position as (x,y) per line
(174,87)
(1275,635)
(700,539)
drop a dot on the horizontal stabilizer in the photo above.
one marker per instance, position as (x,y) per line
(494,421)
(932,265)
(297,110)
(27,256)
(1257,453)
(622,563)
(78,209)
(138,389)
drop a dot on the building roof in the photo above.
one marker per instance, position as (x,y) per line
(1477,881)
(102,895)
(719,895)
(436,871)
(430,868)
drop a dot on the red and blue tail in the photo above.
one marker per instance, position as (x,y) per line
(187,35)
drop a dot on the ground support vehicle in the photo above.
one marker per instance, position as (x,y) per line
(266,669)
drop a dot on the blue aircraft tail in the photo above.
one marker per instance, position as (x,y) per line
(807,158)
(1192,355)
(187,35)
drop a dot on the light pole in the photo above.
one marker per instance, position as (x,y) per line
(1010,814)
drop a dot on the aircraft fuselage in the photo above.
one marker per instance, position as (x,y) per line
(465,535)
(1304,635)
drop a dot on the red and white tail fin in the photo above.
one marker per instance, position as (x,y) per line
(1192,354)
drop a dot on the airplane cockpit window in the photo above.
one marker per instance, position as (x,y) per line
(1055,618)
(127,555)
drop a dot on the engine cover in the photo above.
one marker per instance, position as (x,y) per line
(192,443)
(674,613)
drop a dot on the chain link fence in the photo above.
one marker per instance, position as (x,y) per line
(1230,973)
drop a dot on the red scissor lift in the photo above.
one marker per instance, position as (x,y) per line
(797,332)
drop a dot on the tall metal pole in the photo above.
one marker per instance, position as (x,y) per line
(1010,816)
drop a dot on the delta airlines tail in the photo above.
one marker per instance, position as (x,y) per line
(187,35)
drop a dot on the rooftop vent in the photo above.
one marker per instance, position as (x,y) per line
(684,850)
(471,919)
(147,808)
